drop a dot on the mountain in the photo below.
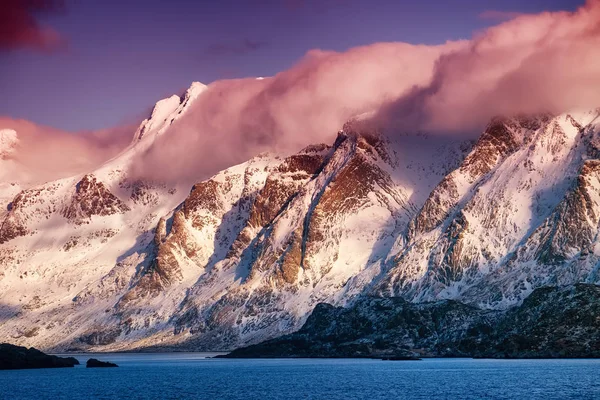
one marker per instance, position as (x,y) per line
(104,261)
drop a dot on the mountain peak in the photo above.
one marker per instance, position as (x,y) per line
(167,110)
(194,90)
(165,107)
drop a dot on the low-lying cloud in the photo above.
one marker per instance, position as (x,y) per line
(547,62)
(45,153)
(236,119)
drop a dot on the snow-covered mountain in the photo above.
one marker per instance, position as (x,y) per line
(107,262)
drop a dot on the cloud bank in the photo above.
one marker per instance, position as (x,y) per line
(45,153)
(236,119)
(547,62)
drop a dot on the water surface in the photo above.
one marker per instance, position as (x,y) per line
(193,376)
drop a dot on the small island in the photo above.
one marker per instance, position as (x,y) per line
(94,363)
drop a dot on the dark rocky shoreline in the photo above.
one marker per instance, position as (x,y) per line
(18,357)
(553,322)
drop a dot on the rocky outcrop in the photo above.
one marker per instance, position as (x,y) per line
(20,213)
(92,198)
(11,228)
(377,327)
(94,363)
(100,337)
(17,357)
(552,322)
(285,182)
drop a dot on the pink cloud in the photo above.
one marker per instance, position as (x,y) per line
(548,62)
(236,119)
(46,153)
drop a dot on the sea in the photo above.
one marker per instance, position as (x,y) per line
(198,376)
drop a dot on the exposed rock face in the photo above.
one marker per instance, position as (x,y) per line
(17,357)
(11,228)
(101,338)
(294,172)
(93,363)
(92,198)
(552,322)
(16,221)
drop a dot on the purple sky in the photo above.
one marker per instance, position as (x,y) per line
(123,55)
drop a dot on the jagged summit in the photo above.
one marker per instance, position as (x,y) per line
(159,115)
(194,90)
(168,110)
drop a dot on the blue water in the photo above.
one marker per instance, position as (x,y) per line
(192,376)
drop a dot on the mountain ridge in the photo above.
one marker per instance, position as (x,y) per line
(110,262)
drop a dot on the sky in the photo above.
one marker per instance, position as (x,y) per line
(87,65)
